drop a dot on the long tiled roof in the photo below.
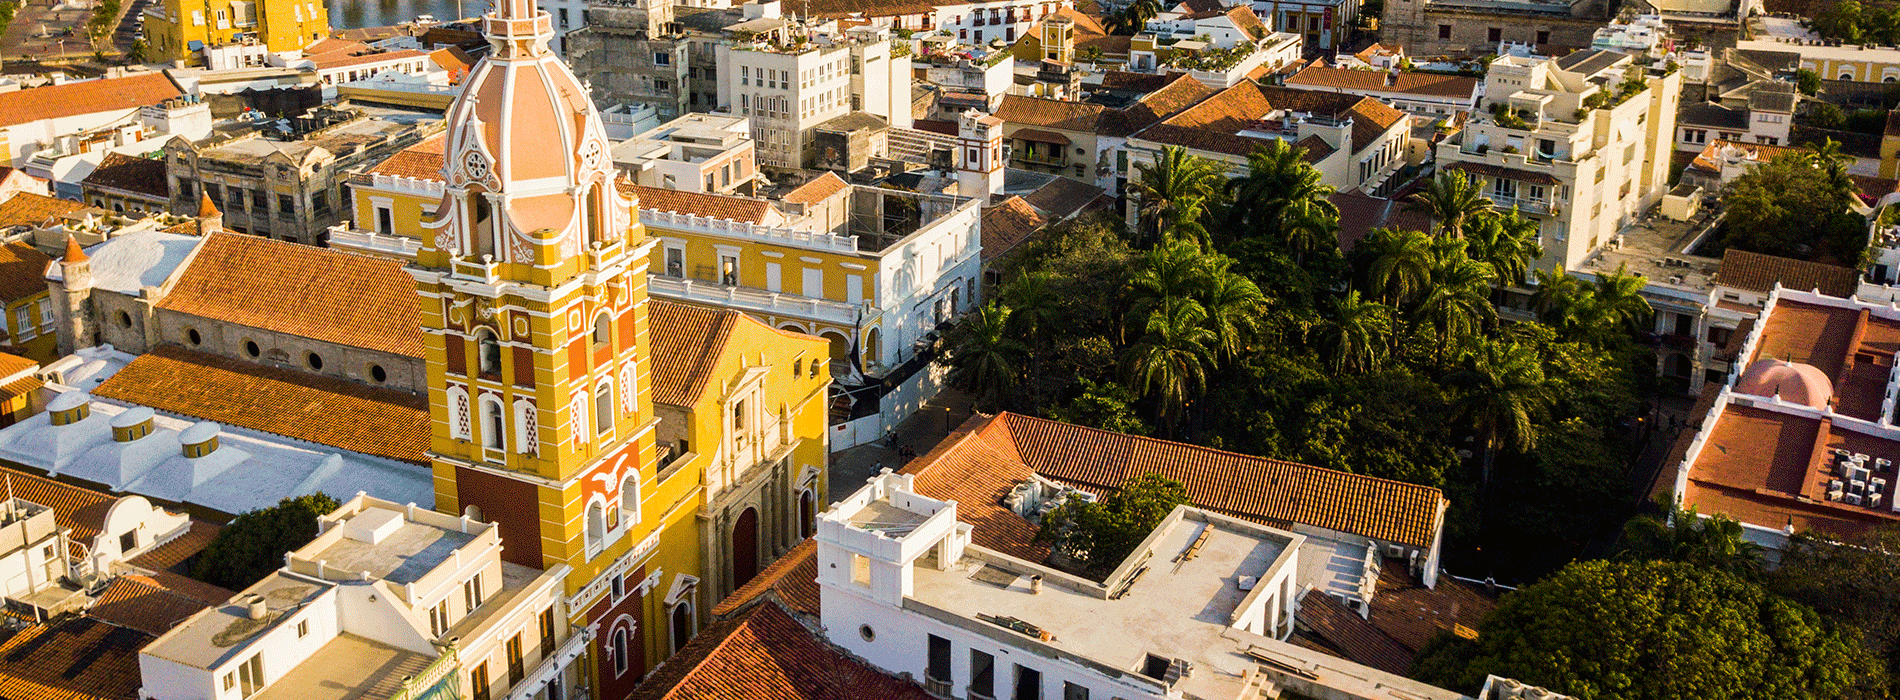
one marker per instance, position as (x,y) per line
(22,271)
(29,209)
(764,653)
(991,454)
(1499,171)
(792,581)
(817,189)
(144,604)
(323,410)
(88,97)
(700,204)
(687,342)
(1043,112)
(1180,92)
(71,658)
(1760,273)
(422,160)
(145,176)
(82,511)
(1064,197)
(327,295)
(1353,636)
(1007,224)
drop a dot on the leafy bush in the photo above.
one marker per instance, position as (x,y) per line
(1101,534)
(253,545)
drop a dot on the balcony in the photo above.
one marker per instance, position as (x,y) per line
(690,223)
(551,667)
(754,300)
(485,270)
(373,243)
(1523,204)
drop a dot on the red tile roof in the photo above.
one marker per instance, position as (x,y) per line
(1355,638)
(144,604)
(1320,77)
(82,511)
(1760,273)
(1063,197)
(792,581)
(299,290)
(687,342)
(142,176)
(816,190)
(29,209)
(1008,224)
(980,462)
(22,270)
(717,206)
(318,409)
(71,658)
(764,653)
(1504,173)
(87,97)
(422,161)
(180,548)
(1022,110)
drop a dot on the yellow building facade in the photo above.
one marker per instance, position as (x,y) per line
(178,29)
(29,322)
(663,453)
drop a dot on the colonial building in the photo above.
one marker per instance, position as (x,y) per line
(183,30)
(26,303)
(545,363)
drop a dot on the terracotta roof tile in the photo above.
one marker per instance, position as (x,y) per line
(1022,110)
(21,386)
(110,94)
(1411,614)
(1320,77)
(1370,120)
(1760,273)
(318,293)
(991,454)
(687,343)
(1063,197)
(1244,18)
(81,510)
(1007,224)
(1355,638)
(718,206)
(71,658)
(764,653)
(422,161)
(22,270)
(834,9)
(143,604)
(792,581)
(180,548)
(1712,155)
(817,189)
(452,59)
(323,410)
(29,209)
(144,176)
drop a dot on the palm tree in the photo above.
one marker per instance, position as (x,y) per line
(1032,304)
(1827,156)
(1161,187)
(1557,297)
(1619,302)
(984,358)
(1508,243)
(1501,390)
(1453,200)
(1457,304)
(1234,306)
(1354,337)
(1270,169)
(1397,263)
(1169,364)
(1684,535)
(1175,268)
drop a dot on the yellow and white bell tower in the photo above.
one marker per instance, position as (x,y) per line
(533,283)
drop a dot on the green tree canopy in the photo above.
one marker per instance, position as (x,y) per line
(1101,534)
(1793,207)
(1854,581)
(1606,630)
(253,544)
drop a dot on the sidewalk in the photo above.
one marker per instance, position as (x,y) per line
(922,431)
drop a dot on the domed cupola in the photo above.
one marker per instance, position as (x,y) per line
(529,178)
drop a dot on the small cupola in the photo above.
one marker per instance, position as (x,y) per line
(134,423)
(69,408)
(200,439)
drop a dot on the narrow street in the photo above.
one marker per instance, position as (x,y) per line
(921,432)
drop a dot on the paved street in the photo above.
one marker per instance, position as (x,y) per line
(920,432)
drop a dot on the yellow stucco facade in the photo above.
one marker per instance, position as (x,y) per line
(171,26)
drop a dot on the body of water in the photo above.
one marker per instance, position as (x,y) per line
(354,14)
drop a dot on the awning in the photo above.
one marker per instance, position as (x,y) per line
(1040,136)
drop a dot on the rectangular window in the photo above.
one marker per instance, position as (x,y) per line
(1494,35)
(1028,684)
(472,592)
(772,281)
(729,270)
(1543,37)
(619,586)
(564,23)
(853,288)
(937,666)
(303,628)
(251,675)
(439,618)
(478,681)
(46,313)
(516,668)
(385,221)
(982,674)
(286,204)
(259,201)
(1071,691)
(547,632)
(211,191)
(1444,31)
(815,283)
(23,326)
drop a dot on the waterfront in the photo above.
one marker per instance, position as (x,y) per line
(352,14)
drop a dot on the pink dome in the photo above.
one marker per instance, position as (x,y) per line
(1792,381)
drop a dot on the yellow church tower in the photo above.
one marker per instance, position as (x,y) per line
(532,279)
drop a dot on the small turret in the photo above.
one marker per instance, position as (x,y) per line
(72,296)
(210,220)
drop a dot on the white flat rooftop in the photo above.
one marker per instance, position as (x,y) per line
(404,556)
(1177,609)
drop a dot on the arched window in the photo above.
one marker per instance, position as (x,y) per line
(620,651)
(458,413)
(494,424)
(604,409)
(526,433)
(596,525)
(487,352)
(630,496)
(629,392)
(483,232)
(596,231)
(603,329)
(682,624)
